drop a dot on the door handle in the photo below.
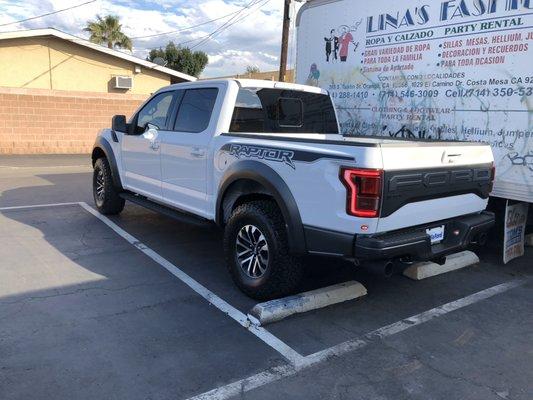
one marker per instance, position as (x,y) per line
(154,145)
(197,152)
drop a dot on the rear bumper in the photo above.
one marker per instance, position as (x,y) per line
(415,244)
(411,243)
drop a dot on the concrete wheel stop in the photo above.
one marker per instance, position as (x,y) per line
(276,310)
(455,261)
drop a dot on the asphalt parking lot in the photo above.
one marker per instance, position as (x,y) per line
(141,307)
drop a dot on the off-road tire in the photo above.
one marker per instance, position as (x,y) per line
(110,203)
(284,271)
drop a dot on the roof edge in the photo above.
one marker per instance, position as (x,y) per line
(311,4)
(83,42)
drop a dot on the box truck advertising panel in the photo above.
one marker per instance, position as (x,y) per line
(443,70)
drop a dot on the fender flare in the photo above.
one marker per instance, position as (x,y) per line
(264,175)
(102,144)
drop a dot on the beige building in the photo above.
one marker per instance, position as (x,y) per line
(51,59)
(57,91)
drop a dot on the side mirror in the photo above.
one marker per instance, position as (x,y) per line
(118,123)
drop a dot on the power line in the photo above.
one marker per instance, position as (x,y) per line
(47,14)
(177,44)
(187,28)
(224,26)
(229,23)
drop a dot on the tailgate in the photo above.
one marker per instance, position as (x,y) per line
(413,155)
(431,181)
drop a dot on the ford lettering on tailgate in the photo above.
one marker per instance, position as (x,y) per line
(435,179)
(404,187)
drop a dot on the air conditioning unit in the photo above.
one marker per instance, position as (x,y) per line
(123,82)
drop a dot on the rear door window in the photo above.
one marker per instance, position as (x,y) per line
(195,110)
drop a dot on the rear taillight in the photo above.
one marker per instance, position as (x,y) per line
(363,188)
(492,177)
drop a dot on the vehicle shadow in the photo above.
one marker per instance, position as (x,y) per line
(45,189)
(197,250)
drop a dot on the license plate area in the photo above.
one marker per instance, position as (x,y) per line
(436,234)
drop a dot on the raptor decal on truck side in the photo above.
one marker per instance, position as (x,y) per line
(285,156)
(262,153)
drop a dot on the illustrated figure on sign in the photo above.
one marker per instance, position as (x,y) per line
(314,75)
(345,40)
(340,41)
(332,46)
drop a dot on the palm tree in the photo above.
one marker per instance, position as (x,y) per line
(108,31)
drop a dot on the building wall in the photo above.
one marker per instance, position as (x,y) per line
(37,121)
(267,75)
(52,63)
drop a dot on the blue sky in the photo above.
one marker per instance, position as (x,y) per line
(254,40)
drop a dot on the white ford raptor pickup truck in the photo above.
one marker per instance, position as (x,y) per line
(265,161)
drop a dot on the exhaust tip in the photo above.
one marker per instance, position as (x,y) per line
(384,268)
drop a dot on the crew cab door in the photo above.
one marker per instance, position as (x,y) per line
(184,150)
(141,147)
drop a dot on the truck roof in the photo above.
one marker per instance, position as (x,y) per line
(248,83)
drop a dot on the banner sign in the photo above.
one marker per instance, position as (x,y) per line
(515,227)
(446,70)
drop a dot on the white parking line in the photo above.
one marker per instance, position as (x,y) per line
(39,206)
(287,352)
(275,374)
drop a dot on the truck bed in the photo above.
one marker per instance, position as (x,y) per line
(423,181)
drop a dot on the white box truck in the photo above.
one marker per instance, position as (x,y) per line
(429,69)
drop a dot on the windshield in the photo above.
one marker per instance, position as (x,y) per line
(283,111)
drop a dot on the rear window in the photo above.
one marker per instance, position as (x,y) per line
(282,111)
(195,110)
